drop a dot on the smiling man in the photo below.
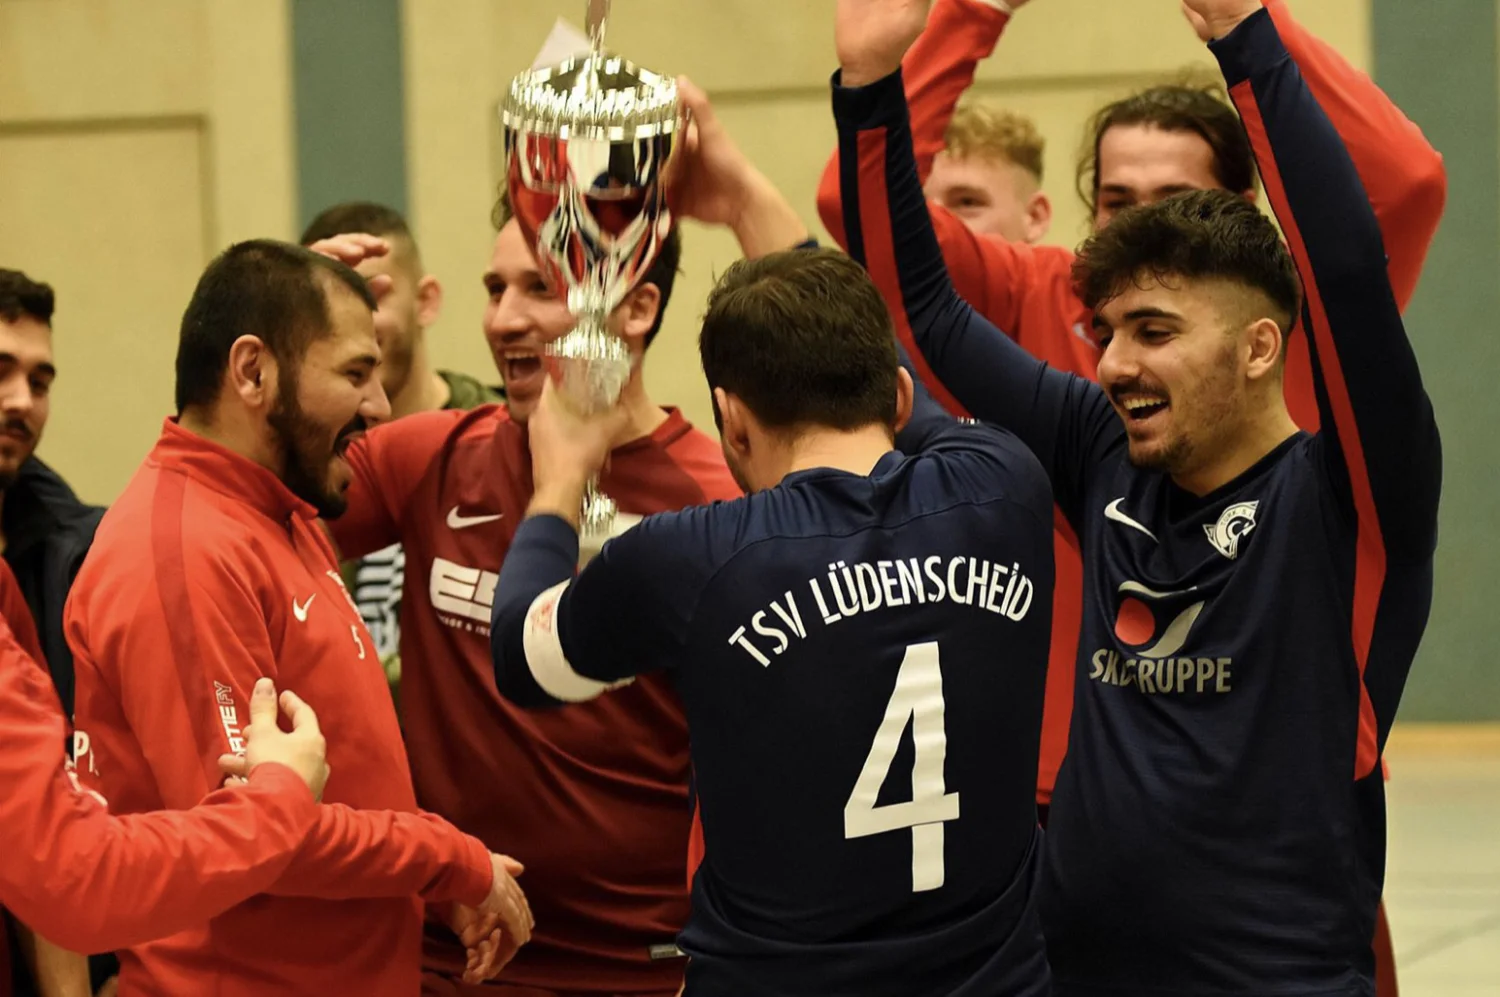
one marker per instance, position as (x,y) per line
(210,572)
(45,531)
(1254,594)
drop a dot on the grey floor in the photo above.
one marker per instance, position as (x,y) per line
(1443,869)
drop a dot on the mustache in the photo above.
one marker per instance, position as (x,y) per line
(18,427)
(356,425)
(1135,386)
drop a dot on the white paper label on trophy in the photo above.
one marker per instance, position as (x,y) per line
(563,42)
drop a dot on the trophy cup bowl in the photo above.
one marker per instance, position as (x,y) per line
(590,162)
(590,169)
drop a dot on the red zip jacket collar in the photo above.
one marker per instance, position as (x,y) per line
(231,474)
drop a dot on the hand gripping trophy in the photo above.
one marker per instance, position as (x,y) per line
(590,164)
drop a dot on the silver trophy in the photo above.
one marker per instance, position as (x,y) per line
(590,166)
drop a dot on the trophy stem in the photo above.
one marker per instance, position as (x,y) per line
(598,510)
(596,18)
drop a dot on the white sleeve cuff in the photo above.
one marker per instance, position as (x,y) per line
(544,653)
(999,5)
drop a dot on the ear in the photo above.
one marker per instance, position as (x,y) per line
(1038,217)
(429,301)
(252,372)
(1252,195)
(637,314)
(1265,345)
(734,430)
(905,393)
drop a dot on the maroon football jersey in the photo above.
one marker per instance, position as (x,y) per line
(593,797)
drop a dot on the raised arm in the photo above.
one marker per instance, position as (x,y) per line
(938,70)
(1402,173)
(1065,420)
(997,277)
(1380,438)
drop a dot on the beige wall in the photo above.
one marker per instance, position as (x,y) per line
(137,137)
(766,62)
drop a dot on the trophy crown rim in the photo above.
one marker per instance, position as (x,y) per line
(536,105)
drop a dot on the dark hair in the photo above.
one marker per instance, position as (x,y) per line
(662,272)
(356,216)
(1196,235)
(272,290)
(804,339)
(1201,109)
(20,295)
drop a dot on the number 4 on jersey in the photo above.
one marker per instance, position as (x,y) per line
(919,699)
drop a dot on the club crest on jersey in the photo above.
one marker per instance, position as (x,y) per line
(1236,522)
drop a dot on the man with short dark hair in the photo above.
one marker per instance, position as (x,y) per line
(1140,148)
(1254,594)
(855,592)
(45,531)
(210,572)
(408,308)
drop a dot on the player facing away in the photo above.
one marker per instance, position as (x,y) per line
(210,572)
(1254,594)
(860,644)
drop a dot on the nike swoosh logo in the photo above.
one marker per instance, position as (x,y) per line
(301,611)
(458,522)
(1112,511)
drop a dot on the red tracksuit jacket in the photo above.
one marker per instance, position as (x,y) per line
(1027,291)
(205,575)
(91,882)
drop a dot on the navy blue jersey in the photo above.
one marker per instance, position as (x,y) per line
(862,661)
(1218,825)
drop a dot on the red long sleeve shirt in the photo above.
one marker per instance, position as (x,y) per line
(1027,291)
(92,882)
(206,575)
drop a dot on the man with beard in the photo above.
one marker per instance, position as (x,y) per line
(407,310)
(1254,594)
(212,572)
(1141,148)
(45,531)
